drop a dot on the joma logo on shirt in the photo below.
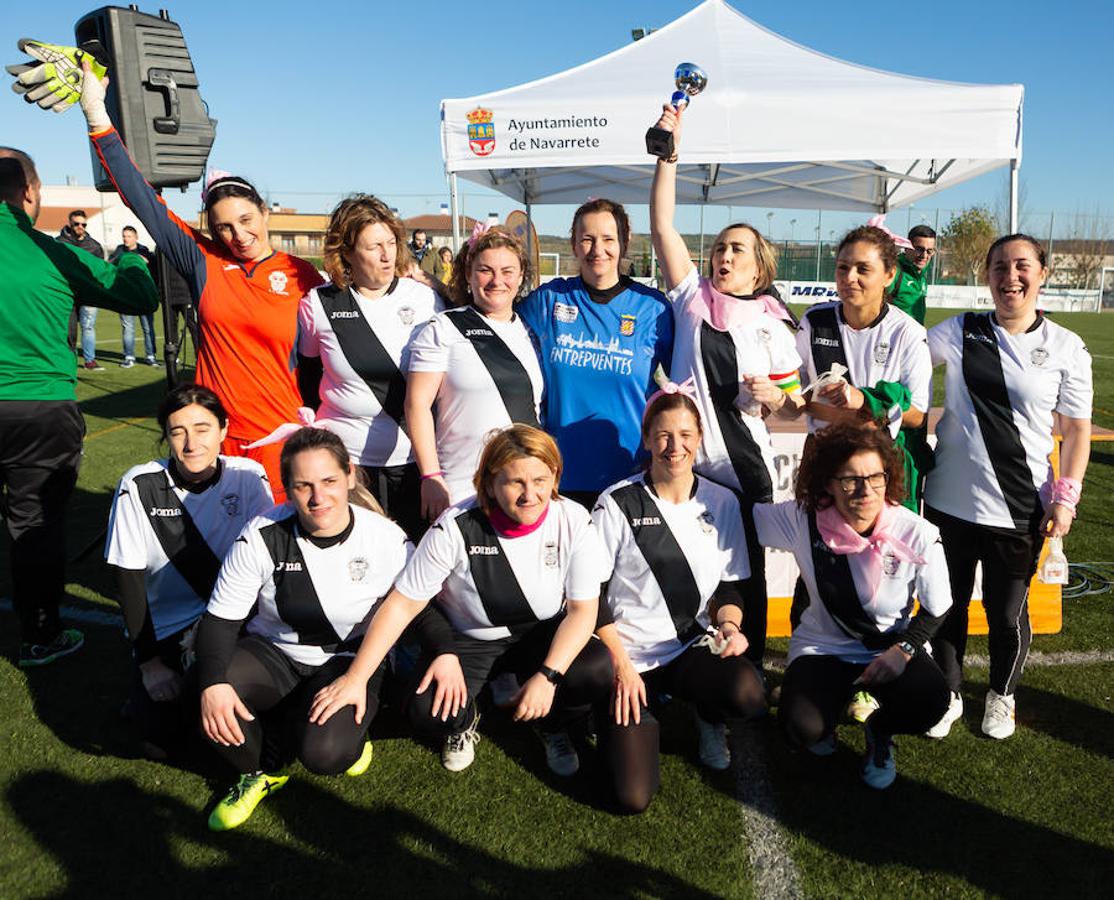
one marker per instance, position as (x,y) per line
(158,512)
(825,342)
(345,314)
(645,520)
(482,550)
(478,332)
(289,567)
(982,338)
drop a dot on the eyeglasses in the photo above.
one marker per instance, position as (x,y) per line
(78,224)
(850,484)
(923,251)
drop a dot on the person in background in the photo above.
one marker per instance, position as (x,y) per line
(1013,378)
(909,289)
(863,558)
(425,254)
(601,337)
(41,428)
(446,255)
(76,234)
(130,244)
(172,522)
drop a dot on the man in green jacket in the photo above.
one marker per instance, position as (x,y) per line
(910,284)
(41,428)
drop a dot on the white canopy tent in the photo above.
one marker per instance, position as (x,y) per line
(779,125)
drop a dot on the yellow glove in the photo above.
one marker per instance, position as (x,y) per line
(55,80)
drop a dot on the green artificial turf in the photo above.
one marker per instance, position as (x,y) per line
(80,816)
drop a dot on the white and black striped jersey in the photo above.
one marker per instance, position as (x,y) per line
(178,537)
(665,560)
(315,595)
(736,448)
(492,379)
(892,348)
(364,346)
(994,441)
(842,618)
(489,585)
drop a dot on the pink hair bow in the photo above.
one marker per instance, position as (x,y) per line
(211,176)
(478,229)
(307,418)
(665,386)
(879,222)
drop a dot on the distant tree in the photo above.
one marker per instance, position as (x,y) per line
(966,238)
(1082,255)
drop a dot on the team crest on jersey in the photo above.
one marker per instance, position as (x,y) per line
(278,282)
(231,504)
(882,352)
(549,554)
(764,335)
(626,325)
(564,312)
(357,569)
(1039,356)
(890,565)
(707,522)
(481,131)
(406,315)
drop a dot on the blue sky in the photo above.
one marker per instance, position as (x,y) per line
(317,100)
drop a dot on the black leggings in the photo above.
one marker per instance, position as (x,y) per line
(165,724)
(721,690)
(816,690)
(399,491)
(586,684)
(1009,559)
(279,693)
(755,599)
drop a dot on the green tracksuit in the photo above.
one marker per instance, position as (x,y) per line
(909,288)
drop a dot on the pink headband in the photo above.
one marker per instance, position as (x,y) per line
(214,175)
(477,229)
(879,222)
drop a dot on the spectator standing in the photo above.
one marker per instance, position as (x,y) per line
(425,254)
(41,428)
(909,288)
(76,234)
(130,238)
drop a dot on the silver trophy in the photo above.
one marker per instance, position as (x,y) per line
(690,80)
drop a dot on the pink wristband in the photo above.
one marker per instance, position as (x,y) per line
(433,475)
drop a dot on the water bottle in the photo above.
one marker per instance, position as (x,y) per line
(1055,568)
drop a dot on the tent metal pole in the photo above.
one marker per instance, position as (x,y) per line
(1014,166)
(455,212)
(819,223)
(530,242)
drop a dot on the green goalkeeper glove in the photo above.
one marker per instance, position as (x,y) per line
(55,80)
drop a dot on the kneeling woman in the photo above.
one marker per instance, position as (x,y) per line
(305,577)
(517,572)
(862,558)
(172,522)
(678,555)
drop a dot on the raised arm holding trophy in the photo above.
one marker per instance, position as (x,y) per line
(690,80)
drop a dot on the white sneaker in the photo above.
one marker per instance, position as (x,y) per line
(714,752)
(952,714)
(560,754)
(879,767)
(460,749)
(503,688)
(998,719)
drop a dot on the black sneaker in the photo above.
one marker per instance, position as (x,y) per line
(69,640)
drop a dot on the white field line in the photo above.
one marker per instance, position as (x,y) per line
(772,870)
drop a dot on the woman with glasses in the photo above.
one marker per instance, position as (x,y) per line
(863,557)
(1013,377)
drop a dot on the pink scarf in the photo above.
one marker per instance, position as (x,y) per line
(841,538)
(724,312)
(509,528)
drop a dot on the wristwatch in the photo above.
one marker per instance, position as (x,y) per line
(552,675)
(906,647)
